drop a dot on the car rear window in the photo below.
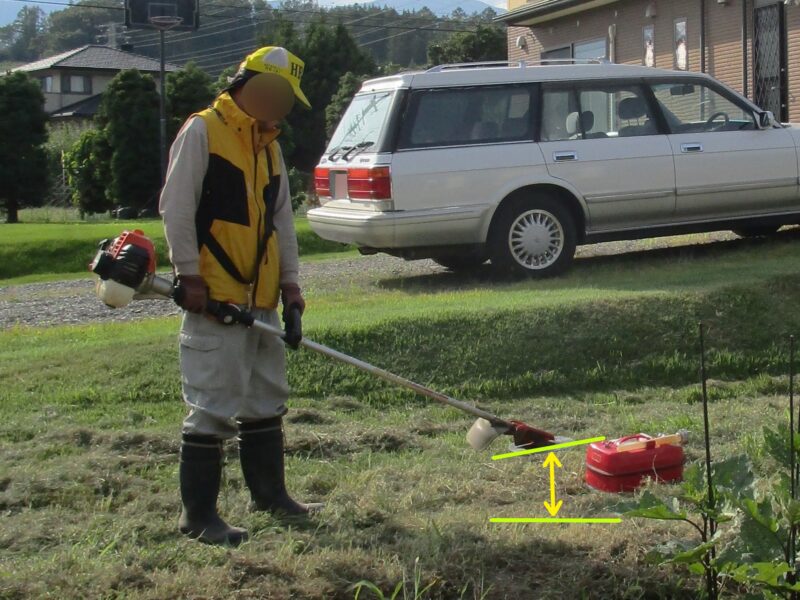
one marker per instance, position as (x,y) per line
(465,116)
(363,121)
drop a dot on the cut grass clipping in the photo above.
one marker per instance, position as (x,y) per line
(91,419)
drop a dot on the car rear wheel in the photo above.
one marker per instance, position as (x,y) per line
(749,232)
(534,237)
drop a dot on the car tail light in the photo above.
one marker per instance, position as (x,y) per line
(322,181)
(374,183)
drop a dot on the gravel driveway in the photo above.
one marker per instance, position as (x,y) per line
(73,301)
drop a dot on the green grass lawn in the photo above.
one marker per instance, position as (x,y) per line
(90,419)
(32,252)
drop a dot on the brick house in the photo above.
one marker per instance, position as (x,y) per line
(751,45)
(73,81)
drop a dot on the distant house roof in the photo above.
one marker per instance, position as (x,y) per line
(534,12)
(97,57)
(82,109)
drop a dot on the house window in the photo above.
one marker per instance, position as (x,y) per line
(586,50)
(590,49)
(76,84)
(556,53)
(649,46)
(47,83)
(681,45)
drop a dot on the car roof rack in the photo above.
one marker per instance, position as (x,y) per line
(517,63)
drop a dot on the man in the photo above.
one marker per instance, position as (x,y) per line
(229,226)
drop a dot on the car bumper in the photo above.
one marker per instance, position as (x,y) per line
(400,229)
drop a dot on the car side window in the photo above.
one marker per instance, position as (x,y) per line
(466,116)
(695,108)
(592,112)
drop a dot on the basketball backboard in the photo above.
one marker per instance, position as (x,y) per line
(140,13)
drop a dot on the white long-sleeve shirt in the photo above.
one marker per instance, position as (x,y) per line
(188,162)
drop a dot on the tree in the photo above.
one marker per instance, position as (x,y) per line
(223,80)
(79,24)
(129,114)
(188,91)
(23,39)
(487,42)
(329,52)
(349,84)
(88,166)
(23,133)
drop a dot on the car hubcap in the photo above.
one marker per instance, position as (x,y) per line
(536,239)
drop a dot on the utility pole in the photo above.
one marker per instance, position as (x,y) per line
(163,24)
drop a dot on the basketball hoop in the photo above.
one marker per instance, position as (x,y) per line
(165,22)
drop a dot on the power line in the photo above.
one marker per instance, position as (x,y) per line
(223,7)
(210,51)
(238,48)
(201,35)
(253,20)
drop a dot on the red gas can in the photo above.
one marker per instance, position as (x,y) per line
(621,465)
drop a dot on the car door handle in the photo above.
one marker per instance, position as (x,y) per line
(693,147)
(564,156)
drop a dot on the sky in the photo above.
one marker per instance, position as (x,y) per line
(10,8)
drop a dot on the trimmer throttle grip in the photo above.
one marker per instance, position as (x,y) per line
(229,314)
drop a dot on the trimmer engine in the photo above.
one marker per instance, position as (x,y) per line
(126,266)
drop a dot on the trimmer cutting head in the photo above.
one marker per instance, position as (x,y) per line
(483,432)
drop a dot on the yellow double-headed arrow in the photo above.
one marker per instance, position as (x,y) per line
(552,462)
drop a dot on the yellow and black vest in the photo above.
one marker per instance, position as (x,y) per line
(236,234)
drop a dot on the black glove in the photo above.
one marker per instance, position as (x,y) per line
(292,326)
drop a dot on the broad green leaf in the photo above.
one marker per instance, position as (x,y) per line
(776,442)
(692,554)
(734,476)
(694,484)
(686,552)
(791,511)
(771,574)
(761,512)
(649,506)
(759,542)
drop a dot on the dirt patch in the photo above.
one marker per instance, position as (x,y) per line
(307,416)
(381,441)
(143,443)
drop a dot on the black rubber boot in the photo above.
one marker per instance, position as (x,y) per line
(261,454)
(200,474)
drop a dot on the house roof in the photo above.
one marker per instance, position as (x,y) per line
(535,12)
(97,57)
(85,108)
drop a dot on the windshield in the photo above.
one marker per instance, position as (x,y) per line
(362,122)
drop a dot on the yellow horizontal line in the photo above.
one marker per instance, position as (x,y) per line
(554,520)
(549,448)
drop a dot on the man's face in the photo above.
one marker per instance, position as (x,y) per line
(267,97)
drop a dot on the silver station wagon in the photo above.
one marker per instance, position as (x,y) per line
(519,164)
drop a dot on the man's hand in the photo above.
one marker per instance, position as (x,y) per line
(191,293)
(292,326)
(293,307)
(291,295)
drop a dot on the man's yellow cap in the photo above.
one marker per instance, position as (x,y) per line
(274,59)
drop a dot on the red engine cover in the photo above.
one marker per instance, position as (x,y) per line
(137,238)
(610,470)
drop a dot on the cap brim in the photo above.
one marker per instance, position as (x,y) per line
(298,93)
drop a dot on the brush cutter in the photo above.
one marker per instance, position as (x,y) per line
(126,270)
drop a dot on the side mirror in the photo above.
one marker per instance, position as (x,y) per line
(765,119)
